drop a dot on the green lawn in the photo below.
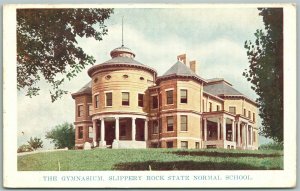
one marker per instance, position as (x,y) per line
(156,159)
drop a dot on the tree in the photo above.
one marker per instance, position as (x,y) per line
(46,45)
(62,136)
(35,143)
(265,72)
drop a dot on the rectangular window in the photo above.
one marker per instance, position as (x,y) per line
(210,107)
(254,117)
(254,137)
(232,110)
(184,144)
(170,144)
(218,108)
(108,99)
(170,123)
(169,97)
(79,110)
(203,106)
(154,102)
(90,132)
(90,109)
(245,112)
(155,127)
(80,132)
(141,100)
(96,101)
(249,114)
(183,96)
(197,145)
(183,123)
(125,98)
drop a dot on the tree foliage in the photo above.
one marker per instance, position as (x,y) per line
(265,72)
(35,143)
(62,136)
(47,46)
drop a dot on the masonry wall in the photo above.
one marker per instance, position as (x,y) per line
(120,80)
(191,109)
(83,100)
(215,102)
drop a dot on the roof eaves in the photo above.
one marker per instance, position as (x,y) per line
(214,96)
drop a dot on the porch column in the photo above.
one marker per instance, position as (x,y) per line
(146,130)
(239,133)
(233,130)
(246,129)
(94,132)
(205,129)
(117,128)
(251,134)
(133,128)
(224,128)
(102,142)
(218,128)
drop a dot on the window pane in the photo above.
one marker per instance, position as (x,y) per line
(109,99)
(96,101)
(154,102)
(141,100)
(90,132)
(210,107)
(183,122)
(80,110)
(170,97)
(155,127)
(170,123)
(125,98)
(232,110)
(80,132)
(184,144)
(170,144)
(183,96)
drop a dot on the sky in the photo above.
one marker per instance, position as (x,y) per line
(213,37)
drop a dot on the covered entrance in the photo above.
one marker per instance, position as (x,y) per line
(120,132)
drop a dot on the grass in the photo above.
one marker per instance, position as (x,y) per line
(156,159)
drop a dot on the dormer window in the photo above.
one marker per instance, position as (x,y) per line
(125,76)
(107,77)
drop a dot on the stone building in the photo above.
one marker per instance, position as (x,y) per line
(126,105)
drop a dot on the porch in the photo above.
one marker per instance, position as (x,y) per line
(120,132)
(225,130)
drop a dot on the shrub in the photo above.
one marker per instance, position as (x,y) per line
(24,148)
(271,146)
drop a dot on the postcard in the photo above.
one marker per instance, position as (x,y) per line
(149,95)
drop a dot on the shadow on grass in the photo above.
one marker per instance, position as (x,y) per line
(224,154)
(187,165)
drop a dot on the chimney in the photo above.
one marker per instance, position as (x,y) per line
(193,66)
(182,58)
